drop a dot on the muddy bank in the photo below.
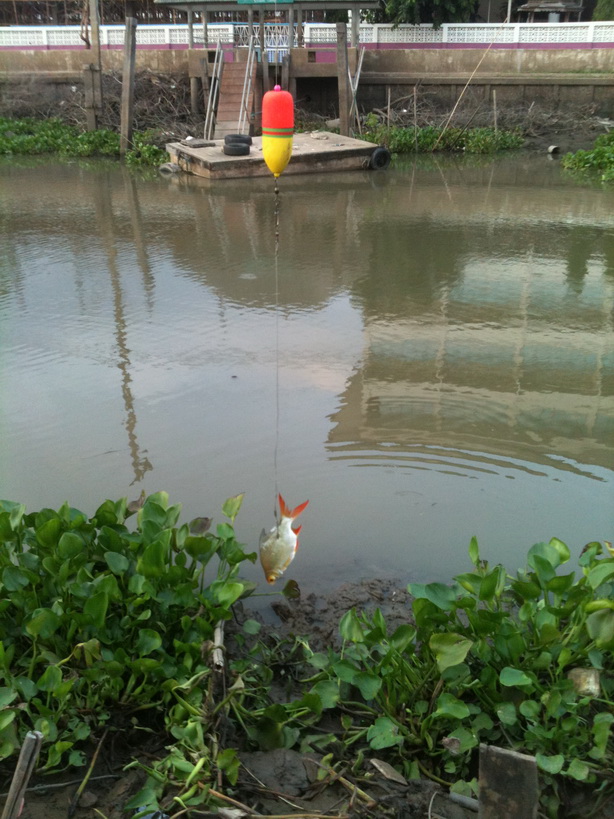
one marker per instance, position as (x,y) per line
(163,106)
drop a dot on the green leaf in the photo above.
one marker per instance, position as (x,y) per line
(7,695)
(43,623)
(291,590)
(561,548)
(550,764)
(50,679)
(514,677)
(350,627)
(226,592)
(95,609)
(149,640)
(467,739)
(6,718)
(251,626)
(506,713)
(403,636)
(600,627)
(345,670)
(70,545)
(153,561)
(449,706)
(231,506)
(546,552)
(530,709)
(474,551)
(600,573)
(48,533)
(490,583)
(578,770)
(383,734)
(228,761)
(118,563)
(442,596)
(14,579)
(449,649)
(328,692)
(368,684)
(201,548)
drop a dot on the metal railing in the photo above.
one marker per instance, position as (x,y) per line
(214,92)
(244,114)
(514,35)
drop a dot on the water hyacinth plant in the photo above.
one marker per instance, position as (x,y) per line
(101,622)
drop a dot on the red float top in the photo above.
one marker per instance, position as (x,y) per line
(277,113)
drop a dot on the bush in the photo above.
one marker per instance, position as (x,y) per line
(432,138)
(599,161)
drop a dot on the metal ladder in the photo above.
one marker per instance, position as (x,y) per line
(244,114)
(214,91)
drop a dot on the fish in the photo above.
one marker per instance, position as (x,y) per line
(278,547)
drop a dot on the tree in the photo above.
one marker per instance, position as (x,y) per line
(604,10)
(433,11)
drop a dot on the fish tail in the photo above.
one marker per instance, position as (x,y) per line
(290,513)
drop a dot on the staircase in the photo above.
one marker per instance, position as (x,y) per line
(231,93)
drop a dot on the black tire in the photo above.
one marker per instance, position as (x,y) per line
(244,139)
(380,159)
(236,149)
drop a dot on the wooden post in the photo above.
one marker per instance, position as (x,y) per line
(290,27)
(508,784)
(92,109)
(285,72)
(494,108)
(127,111)
(96,64)
(25,766)
(266,84)
(300,31)
(206,28)
(343,79)
(194,95)
(355,26)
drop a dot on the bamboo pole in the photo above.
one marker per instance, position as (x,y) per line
(25,766)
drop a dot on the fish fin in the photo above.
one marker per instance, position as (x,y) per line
(297,530)
(263,537)
(290,513)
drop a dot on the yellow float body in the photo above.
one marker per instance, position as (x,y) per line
(277,129)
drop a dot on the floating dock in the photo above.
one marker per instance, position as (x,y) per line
(313,152)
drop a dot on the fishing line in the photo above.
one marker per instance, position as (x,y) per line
(276,448)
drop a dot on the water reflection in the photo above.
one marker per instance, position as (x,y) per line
(447,352)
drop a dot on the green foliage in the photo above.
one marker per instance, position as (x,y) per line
(430,138)
(30,136)
(437,12)
(101,622)
(604,10)
(598,162)
(486,660)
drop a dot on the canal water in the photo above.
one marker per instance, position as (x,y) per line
(436,360)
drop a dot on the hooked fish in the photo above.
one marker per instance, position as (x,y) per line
(278,547)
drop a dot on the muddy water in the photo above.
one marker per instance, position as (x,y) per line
(443,339)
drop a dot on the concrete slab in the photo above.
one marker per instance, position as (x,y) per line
(312,152)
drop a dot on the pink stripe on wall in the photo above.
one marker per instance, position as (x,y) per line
(327,54)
